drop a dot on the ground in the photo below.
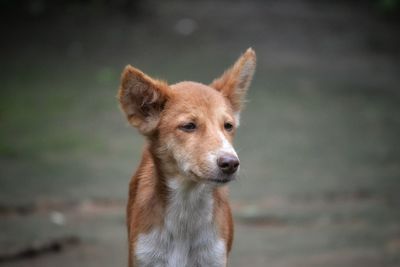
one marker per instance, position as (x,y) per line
(318,140)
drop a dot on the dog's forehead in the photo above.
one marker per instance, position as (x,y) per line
(192,95)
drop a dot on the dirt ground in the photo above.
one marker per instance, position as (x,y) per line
(318,143)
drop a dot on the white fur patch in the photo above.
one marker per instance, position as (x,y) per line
(188,236)
(237,118)
(225,148)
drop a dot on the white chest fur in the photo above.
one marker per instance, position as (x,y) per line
(188,237)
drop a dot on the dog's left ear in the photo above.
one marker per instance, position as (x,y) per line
(235,82)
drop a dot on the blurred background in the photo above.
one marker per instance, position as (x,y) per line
(319,139)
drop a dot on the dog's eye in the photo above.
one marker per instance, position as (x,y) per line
(188,127)
(228,126)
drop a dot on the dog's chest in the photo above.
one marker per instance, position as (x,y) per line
(188,236)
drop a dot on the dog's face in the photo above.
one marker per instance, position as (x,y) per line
(190,125)
(196,130)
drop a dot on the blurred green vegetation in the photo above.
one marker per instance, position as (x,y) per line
(389,5)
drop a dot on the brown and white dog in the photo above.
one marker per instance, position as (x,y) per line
(178,212)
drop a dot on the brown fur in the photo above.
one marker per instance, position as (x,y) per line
(158,110)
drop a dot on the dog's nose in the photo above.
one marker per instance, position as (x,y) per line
(228,163)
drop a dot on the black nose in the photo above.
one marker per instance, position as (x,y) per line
(228,163)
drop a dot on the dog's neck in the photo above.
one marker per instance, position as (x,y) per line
(189,205)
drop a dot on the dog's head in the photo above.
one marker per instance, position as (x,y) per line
(190,126)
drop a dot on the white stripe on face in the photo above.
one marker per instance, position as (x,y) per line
(237,119)
(225,148)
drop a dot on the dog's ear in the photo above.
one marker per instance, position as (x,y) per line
(235,82)
(142,99)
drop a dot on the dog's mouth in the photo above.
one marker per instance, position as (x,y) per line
(221,181)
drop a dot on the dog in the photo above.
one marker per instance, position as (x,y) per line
(178,212)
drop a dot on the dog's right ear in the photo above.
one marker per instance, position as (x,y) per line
(142,99)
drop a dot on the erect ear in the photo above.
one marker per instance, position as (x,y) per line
(142,99)
(235,82)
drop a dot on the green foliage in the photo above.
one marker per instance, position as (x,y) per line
(388,6)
